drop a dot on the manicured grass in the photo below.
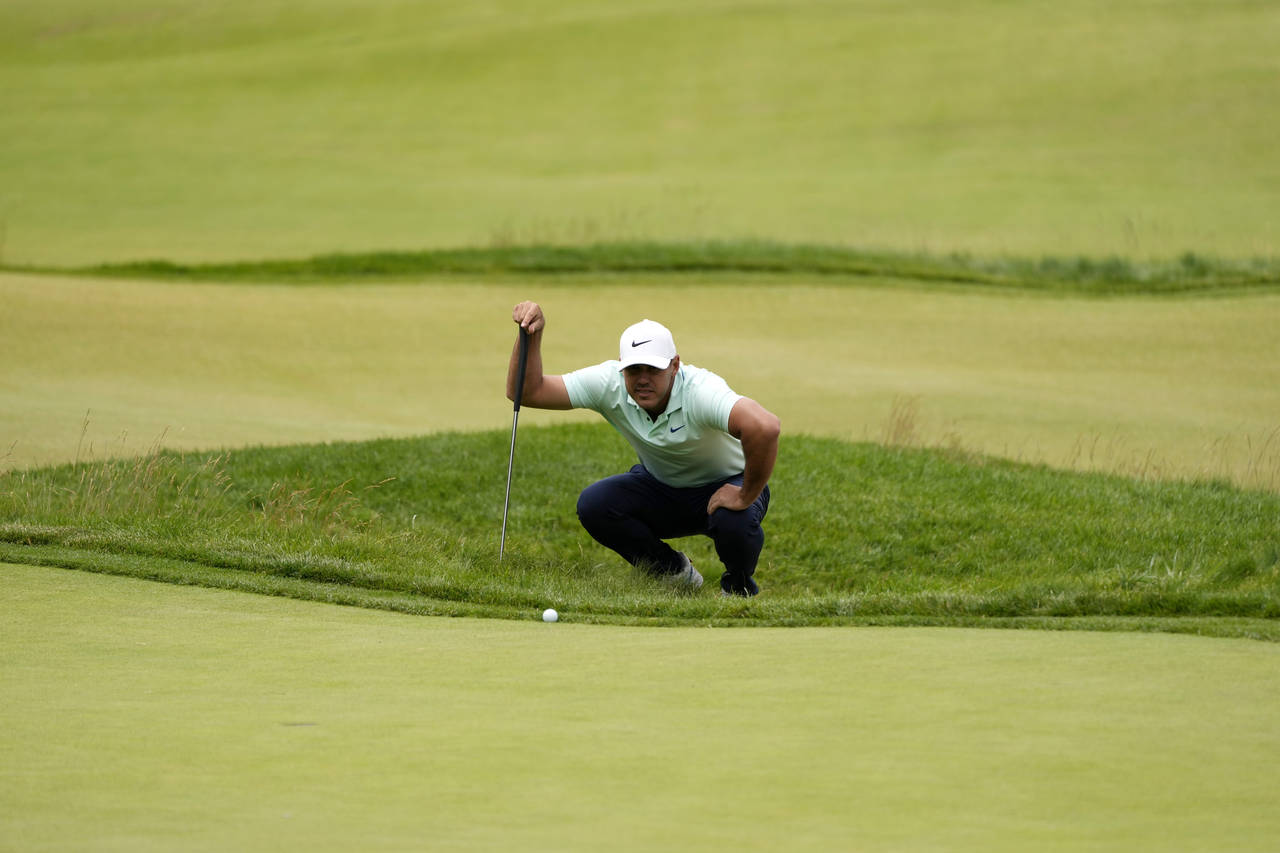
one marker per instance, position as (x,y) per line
(159,129)
(151,717)
(857,533)
(978,154)
(1147,386)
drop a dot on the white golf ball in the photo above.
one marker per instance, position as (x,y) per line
(550,615)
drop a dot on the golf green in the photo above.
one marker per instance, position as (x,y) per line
(139,716)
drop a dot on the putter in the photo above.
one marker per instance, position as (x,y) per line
(515,419)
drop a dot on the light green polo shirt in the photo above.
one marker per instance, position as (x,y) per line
(688,444)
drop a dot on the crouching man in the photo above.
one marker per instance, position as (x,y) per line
(706,453)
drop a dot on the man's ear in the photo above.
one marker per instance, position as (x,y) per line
(675,362)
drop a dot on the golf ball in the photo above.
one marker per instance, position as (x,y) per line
(550,615)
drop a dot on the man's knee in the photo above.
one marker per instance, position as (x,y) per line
(594,504)
(587,507)
(735,524)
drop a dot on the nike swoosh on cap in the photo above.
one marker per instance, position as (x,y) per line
(640,343)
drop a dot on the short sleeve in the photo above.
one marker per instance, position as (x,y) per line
(709,401)
(589,387)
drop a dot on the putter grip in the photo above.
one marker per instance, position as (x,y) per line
(520,365)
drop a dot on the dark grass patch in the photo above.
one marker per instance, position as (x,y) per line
(856,533)
(1188,273)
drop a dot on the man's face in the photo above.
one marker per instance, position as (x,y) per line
(649,386)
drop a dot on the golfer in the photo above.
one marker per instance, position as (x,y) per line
(706,453)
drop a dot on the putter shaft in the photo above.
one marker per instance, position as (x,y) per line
(522,360)
(506,503)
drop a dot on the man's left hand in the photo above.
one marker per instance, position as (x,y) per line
(728,496)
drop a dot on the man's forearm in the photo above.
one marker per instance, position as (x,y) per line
(761,452)
(758,430)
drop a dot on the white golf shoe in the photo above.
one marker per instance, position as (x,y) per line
(686,577)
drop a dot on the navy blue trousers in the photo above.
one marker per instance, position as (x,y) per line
(632,513)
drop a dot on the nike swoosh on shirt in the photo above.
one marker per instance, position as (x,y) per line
(641,343)
(682,426)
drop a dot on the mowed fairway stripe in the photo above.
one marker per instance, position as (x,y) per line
(1138,129)
(1149,386)
(144,716)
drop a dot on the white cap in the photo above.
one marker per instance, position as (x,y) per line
(646,342)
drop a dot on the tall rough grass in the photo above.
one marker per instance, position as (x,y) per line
(1187,273)
(856,532)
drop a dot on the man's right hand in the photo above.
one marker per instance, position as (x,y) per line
(528,316)
(540,392)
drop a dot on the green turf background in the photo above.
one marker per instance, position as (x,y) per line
(138,716)
(162,128)
(210,720)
